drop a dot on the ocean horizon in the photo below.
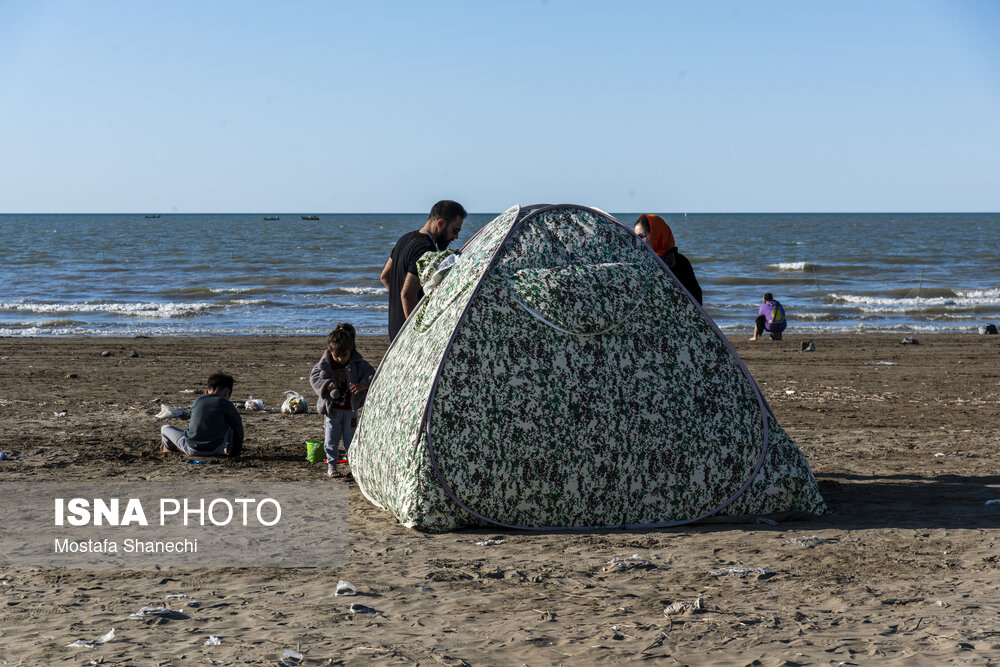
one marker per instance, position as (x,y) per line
(215,274)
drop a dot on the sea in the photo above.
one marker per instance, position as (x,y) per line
(236,274)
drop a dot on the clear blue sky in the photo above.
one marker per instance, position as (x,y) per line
(387,106)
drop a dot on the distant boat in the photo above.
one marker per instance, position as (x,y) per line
(153,217)
(310,217)
(271,217)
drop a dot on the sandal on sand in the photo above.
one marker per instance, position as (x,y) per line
(332,472)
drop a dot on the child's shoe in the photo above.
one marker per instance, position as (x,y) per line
(331,471)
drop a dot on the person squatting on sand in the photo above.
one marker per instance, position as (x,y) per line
(656,233)
(770,318)
(399,275)
(216,428)
(340,379)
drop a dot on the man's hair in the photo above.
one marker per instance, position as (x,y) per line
(448,210)
(341,339)
(220,380)
(768,296)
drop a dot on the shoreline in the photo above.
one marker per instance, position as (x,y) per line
(902,439)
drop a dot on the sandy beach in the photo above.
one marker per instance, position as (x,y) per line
(904,569)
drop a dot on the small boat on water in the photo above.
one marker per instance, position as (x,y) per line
(310,217)
(153,217)
(271,217)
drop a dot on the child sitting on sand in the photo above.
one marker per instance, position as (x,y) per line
(216,429)
(341,379)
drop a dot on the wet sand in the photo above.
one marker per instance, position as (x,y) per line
(904,569)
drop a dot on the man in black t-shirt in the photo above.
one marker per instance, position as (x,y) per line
(399,274)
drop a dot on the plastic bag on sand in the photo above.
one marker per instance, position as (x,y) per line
(345,588)
(168,411)
(294,402)
(254,403)
(92,643)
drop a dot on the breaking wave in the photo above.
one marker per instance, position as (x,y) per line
(150,310)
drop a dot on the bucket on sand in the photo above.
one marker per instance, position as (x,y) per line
(314,451)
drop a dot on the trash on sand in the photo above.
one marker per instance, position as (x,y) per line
(995,501)
(294,403)
(789,391)
(939,454)
(491,542)
(162,612)
(345,588)
(361,609)
(292,658)
(167,411)
(881,363)
(909,341)
(684,607)
(989,329)
(807,346)
(808,542)
(60,414)
(190,601)
(742,572)
(254,403)
(213,641)
(197,461)
(4,456)
(92,643)
(633,562)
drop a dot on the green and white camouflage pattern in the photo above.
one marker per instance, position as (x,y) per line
(558,376)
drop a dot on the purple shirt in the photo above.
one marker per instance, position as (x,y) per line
(774,316)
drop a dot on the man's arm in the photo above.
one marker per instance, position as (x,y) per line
(409,295)
(384,278)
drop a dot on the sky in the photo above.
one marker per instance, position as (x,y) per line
(383,106)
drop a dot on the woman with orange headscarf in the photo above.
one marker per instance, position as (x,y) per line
(656,233)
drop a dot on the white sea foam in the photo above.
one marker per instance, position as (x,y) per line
(365,290)
(151,310)
(880,304)
(791,266)
(988,294)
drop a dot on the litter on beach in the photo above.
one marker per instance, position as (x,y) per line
(291,658)
(168,411)
(684,607)
(741,572)
(162,612)
(808,542)
(492,542)
(635,561)
(213,641)
(254,403)
(361,609)
(294,403)
(92,643)
(345,588)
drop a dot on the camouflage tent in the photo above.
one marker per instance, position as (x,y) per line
(558,376)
